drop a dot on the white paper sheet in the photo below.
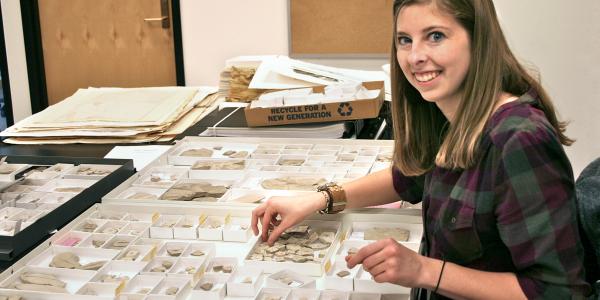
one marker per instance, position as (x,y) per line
(141,155)
(281,72)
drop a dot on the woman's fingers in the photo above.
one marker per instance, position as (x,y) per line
(378,269)
(278,231)
(266,222)
(256,215)
(375,259)
(365,252)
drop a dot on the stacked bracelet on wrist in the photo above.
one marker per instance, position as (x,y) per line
(335,197)
(327,201)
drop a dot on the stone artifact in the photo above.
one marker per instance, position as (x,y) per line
(144,291)
(39,288)
(175,251)
(247,280)
(93,265)
(196,191)
(271,297)
(212,224)
(343,273)
(19,188)
(235,154)
(219,165)
(92,171)
(107,278)
(111,230)
(186,223)
(118,244)
(190,270)
(379,233)
(41,283)
(293,183)
(42,279)
(384,157)
(172,291)
(223,268)
(88,292)
(142,196)
(163,267)
(65,260)
(158,269)
(291,162)
(299,244)
(346,158)
(197,253)
(132,254)
(167,224)
(162,179)
(217,148)
(266,151)
(202,152)
(89,226)
(207,286)
(327,237)
(69,189)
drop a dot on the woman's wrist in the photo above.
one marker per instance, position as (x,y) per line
(320,202)
(430,273)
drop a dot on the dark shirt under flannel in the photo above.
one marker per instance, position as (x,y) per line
(514,211)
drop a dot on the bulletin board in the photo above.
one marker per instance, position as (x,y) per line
(345,28)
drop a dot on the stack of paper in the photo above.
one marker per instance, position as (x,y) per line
(116,115)
(245,78)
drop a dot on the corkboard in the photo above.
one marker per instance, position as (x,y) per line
(340,27)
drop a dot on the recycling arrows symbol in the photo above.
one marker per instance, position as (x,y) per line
(345,110)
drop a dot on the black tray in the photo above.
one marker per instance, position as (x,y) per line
(12,247)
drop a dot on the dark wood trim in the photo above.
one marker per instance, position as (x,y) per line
(34,54)
(178,42)
(8,113)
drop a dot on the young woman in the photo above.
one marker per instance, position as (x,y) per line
(477,141)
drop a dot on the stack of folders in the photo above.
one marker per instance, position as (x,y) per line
(116,115)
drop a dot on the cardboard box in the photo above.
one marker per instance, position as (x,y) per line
(313,113)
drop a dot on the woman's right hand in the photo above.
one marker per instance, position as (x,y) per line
(291,211)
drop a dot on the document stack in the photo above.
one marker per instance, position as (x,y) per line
(116,115)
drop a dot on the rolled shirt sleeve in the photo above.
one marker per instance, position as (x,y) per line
(410,189)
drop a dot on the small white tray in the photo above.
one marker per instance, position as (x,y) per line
(74,279)
(236,287)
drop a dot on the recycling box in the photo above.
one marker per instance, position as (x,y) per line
(318,113)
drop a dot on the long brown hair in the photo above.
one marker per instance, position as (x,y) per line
(423,136)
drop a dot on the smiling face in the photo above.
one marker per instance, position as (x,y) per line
(434,53)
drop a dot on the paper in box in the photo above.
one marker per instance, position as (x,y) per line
(324,112)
